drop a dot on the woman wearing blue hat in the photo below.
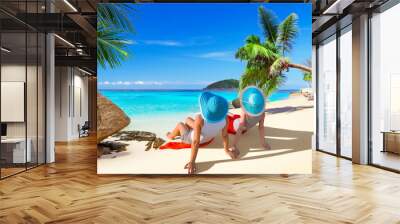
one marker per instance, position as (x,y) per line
(252,103)
(204,127)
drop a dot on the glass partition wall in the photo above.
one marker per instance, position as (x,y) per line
(327,95)
(334,93)
(385,89)
(22,77)
(334,83)
(345,61)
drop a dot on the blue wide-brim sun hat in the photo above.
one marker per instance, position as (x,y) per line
(252,100)
(213,108)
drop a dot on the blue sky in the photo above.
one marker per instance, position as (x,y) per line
(187,46)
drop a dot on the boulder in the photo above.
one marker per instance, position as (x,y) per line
(110,118)
(236,103)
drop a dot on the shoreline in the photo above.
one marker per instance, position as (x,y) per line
(289,124)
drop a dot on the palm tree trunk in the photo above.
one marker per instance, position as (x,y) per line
(301,67)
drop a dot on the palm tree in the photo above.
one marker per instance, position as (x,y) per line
(282,35)
(113,22)
(266,60)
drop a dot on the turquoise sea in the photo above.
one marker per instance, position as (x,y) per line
(165,107)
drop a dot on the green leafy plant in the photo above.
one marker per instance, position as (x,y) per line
(307,77)
(112,24)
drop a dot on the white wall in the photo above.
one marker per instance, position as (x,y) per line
(71,94)
(62,81)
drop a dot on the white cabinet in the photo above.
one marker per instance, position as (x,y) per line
(19,154)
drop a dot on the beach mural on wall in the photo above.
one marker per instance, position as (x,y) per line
(204,88)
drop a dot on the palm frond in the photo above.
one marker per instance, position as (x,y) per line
(255,52)
(287,32)
(115,15)
(113,22)
(253,39)
(307,76)
(273,84)
(268,24)
(111,47)
(261,79)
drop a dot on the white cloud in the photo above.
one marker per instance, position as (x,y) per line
(138,83)
(169,43)
(150,83)
(219,55)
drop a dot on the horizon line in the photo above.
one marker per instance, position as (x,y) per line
(186,89)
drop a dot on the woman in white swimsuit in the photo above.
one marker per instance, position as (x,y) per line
(204,127)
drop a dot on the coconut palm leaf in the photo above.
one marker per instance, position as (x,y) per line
(254,50)
(111,47)
(268,24)
(243,52)
(307,76)
(273,84)
(253,39)
(287,33)
(115,15)
(113,22)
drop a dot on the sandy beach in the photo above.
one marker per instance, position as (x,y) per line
(289,127)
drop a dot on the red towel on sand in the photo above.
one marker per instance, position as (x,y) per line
(181,145)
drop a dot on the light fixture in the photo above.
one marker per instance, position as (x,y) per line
(84,71)
(5,50)
(337,7)
(64,40)
(70,5)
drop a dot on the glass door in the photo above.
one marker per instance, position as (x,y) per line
(22,77)
(346,92)
(385,90)
(327,95)
(14,153)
